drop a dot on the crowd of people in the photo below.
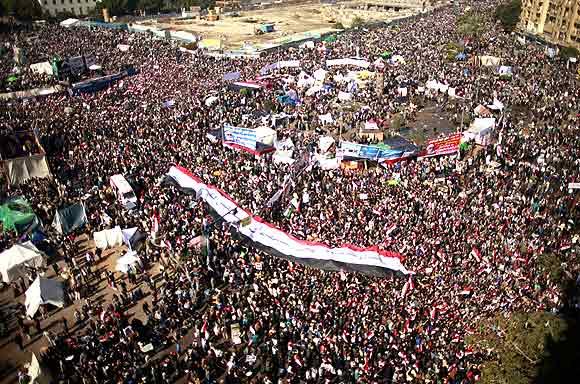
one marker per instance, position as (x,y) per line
(472,227)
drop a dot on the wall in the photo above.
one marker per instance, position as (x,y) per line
(77,7)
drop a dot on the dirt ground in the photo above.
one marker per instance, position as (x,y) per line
(12,359)
(234,31)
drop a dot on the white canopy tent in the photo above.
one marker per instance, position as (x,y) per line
(15,260)
(125,262)
(69,23)
(480,130)
(265,135)
(108,238)
(43,291)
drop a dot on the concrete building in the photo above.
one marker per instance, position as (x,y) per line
(557,21)
(76,7)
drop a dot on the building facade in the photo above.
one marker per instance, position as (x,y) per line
(557,21)
(76,7)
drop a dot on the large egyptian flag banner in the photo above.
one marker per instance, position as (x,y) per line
(272,240)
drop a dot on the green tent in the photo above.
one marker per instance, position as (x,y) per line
(16,214)
(386,54)
(12,78)
(330,39)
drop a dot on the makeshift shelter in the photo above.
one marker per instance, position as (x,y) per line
(70,218)
(324,143)
(505,72)
(43,67)
(15,260)
(17,215)
(43,291)
(133,238)
(284,151)
(125,262)
(489,61)
(396,60)
(210,100)
(329,39)
(21,169)
(319,74)
(266,28)
(496,106)
(108,238)
(69,23)
(482,111)
(210,44)
(480,130)
(34,370)
(22,157)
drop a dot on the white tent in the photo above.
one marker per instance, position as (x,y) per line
(126,261)
(13,261)
(284,151)
(265,135)
(68,23)
(480,130)
(305,80)
(344,96)
(43,67)
(319,74)
(325,142)
(34,370)
(108,238)
(43,291)
(210,100)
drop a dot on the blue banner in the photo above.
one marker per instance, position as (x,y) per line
(372,152)
(244,137)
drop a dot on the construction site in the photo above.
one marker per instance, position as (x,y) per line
(250,24)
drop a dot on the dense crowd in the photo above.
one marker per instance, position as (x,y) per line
(472,227)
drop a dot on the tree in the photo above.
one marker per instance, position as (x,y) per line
(116,7)
(150,5)
(470,25)
(568,52)
(22,9)
(523,347)
(357,22)
(509,14)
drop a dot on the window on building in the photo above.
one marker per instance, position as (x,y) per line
(62,1)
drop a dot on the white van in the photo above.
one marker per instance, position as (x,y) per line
(123,191)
